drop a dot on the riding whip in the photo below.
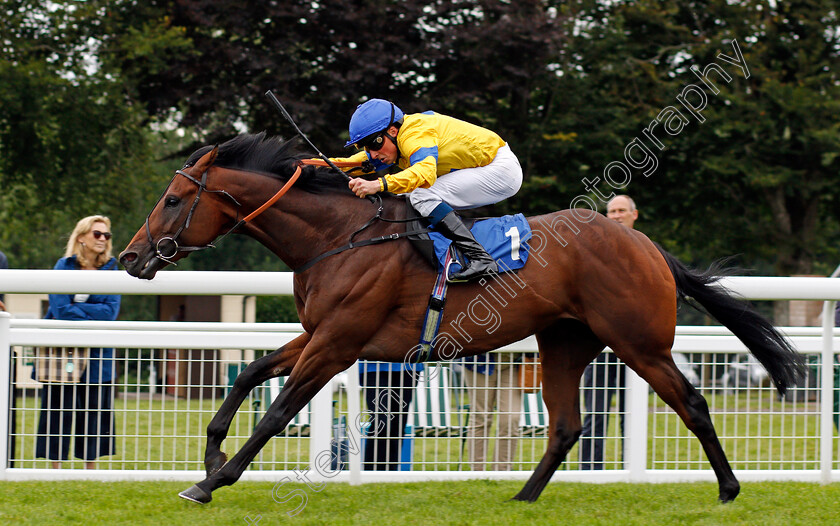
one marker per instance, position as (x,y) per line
(288,117)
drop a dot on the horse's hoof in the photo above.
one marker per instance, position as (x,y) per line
(216,464)
(728,495)
(196,494)
(522,497)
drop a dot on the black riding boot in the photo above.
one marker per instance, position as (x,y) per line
(478,261)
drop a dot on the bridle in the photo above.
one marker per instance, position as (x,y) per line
(174,248)
(167,247)
(322,161)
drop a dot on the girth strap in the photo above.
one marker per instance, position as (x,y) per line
(434,315)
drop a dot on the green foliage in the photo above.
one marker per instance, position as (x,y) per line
(102,100)
(760,171)
(276,309)
(70,144)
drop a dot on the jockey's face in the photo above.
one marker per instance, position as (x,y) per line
(388,153)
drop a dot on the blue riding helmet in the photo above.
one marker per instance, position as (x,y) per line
(372,117)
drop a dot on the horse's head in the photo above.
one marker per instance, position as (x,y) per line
(189,215)
(185,219)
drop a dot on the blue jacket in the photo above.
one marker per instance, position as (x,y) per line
(481,363)
(104,307)
(366,366)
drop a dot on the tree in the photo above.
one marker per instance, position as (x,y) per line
(213,60)
(775,144)
(70,146)
(324,58)
(570,84)
(752,173)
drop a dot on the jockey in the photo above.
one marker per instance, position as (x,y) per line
(446,165)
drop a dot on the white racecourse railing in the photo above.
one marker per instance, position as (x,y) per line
(806,430)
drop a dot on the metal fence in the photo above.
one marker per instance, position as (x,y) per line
(172,377)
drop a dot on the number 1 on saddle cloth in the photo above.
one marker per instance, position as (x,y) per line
(505,239)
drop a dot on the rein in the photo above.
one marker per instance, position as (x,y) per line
(176,248)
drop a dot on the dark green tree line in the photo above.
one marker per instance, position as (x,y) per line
(71,145)
(568,84)
(757,176)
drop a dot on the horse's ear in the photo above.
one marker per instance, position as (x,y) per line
(206,161)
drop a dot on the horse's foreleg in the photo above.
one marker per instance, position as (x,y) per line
(273,364)
(565,350)
(306,379)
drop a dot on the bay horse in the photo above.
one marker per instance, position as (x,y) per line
(590,283)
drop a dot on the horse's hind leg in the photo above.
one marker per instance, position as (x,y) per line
(565,350)
(660,371)
(277,363)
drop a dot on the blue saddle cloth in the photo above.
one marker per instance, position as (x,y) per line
(504,238)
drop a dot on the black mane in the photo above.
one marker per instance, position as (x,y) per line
(273,157)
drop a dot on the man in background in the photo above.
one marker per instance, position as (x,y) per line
(605,376)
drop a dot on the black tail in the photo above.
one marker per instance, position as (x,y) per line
(784,365)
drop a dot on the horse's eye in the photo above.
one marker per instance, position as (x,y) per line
(171,201)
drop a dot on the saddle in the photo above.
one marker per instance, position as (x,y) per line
(503,237)
(423,243)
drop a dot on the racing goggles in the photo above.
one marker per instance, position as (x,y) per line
(372,143)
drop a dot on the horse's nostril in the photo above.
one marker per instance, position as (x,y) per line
(128,257)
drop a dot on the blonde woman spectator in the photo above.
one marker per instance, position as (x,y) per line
(84,409)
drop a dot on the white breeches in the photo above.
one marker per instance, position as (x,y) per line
(472,187)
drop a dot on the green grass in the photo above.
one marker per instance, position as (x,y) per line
(173,437)
(472,502)
(161,434)
(468,502)
(757,432)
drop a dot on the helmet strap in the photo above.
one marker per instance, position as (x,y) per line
(393,139)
